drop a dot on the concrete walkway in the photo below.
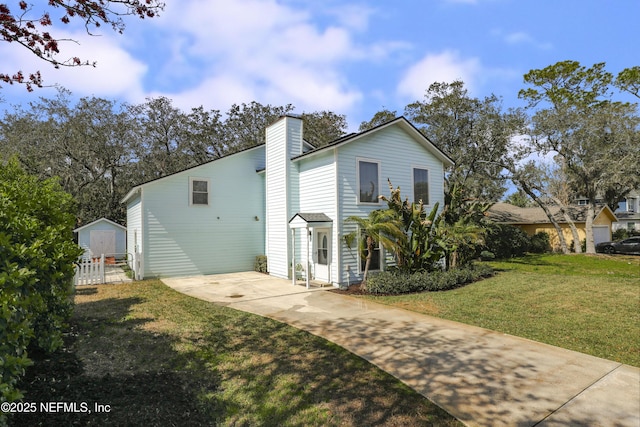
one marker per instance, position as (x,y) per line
(482,377)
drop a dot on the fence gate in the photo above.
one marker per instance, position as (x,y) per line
(90,271)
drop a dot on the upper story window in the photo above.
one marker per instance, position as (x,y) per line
(199,189)
(421,185)
(368,181)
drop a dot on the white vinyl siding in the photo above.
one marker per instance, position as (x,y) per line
(134,228)
(317,191)
(398,153)
(225,237)
(284,141)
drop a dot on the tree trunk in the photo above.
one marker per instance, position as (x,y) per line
(368,259)
(591,247)
(563,242)
(577,247)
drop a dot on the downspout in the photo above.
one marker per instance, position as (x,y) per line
(338,226)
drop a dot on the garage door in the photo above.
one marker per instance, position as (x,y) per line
(601,234)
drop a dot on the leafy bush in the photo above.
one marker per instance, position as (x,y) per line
(260,264)
(487,256)
(37,256)
(540,243)
(619,234)
(507,241)
(623,233)
(396,282)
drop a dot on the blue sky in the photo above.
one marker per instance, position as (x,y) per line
(350,57)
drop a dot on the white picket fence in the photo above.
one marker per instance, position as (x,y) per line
(90,271)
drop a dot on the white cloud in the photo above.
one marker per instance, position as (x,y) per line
(447,67)
(521,38)
(116,73)
(270,52)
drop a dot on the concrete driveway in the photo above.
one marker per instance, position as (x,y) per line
(482,377)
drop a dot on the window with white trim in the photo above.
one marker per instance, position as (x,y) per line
(199,190)
(421,185)
(368,181)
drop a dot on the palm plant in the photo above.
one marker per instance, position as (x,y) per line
(418,249)
(379,228)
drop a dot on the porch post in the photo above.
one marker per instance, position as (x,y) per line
(293,256)
(308,255)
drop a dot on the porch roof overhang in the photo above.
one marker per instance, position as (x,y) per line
(305,220)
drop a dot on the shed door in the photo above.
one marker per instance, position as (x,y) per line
(103,242)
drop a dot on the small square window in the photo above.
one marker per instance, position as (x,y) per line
(199,192)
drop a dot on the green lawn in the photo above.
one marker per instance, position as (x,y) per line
(585,303)
(157,357)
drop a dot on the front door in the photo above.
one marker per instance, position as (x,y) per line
(322,256)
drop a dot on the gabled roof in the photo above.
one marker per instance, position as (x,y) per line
(506,213)
(312,217)
(97,221)
(306,220)
(403,123)
(137,188)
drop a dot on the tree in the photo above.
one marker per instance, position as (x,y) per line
(474,132)
(595,139)
(530,180)
(323,127)
(28,28)
(629,80)
(205,135)
(378,119)
(245,124)
(87,145)
(162,142)
(519,198)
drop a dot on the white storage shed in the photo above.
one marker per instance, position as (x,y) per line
(103,236)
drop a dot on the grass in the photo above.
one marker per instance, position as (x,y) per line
(157,357)
(585,303)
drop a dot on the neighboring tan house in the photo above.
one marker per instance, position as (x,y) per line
(103,236)
(284,199)
(534,220)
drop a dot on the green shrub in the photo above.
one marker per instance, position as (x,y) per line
(507,241)
(619,234)
(37,256)
(397,282)
(540,243)
(487,256)
(260,264)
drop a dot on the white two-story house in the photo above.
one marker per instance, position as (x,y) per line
(628,213)
(284,199)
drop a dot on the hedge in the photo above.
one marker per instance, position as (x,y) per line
(37,256)
(397,282)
